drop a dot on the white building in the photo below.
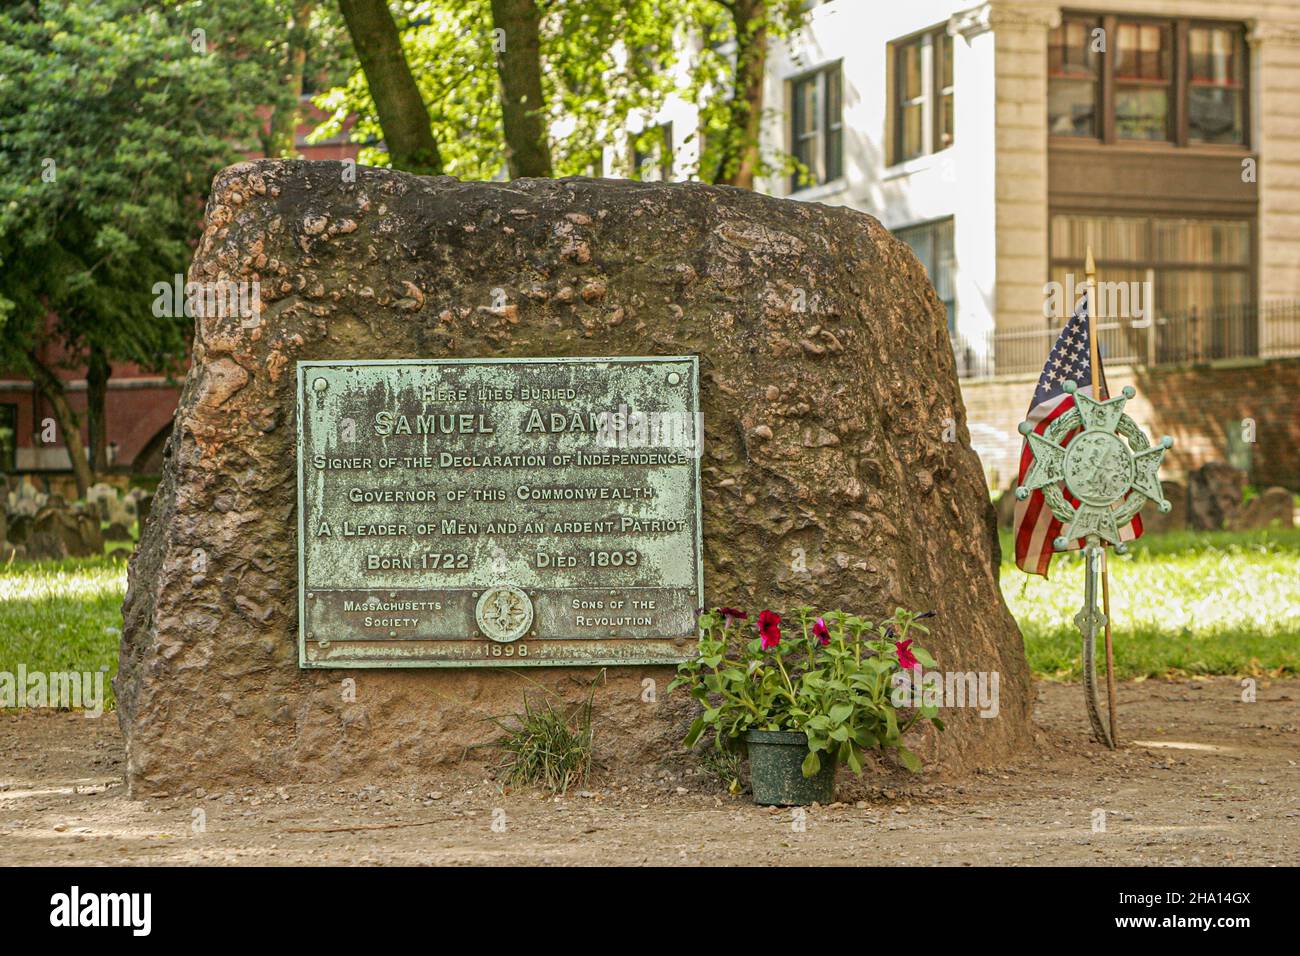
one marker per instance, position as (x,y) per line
(1000,139)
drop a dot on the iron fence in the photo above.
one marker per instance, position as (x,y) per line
(1267,330)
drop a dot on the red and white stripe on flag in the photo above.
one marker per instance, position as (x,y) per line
(1035,527)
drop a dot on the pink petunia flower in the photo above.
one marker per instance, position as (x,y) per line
(821,631)
(906,659)
(769,629)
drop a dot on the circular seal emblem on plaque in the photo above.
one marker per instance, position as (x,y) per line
(504,613)
(1098,467)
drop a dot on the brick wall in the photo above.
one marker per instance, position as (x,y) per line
(1193,404)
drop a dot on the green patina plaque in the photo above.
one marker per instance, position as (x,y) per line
(486,512)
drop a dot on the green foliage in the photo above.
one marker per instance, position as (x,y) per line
(590,88)
(548,746)
(711,79)
(112,126)
(603,63)
(838,693)
(1182,603)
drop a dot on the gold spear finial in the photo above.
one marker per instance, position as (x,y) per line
(1089,266)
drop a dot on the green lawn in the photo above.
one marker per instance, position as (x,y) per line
(62,615)
(1182,604)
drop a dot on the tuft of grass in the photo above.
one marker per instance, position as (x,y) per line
(723,766)
(551,747)
(61,615)
(1183,603)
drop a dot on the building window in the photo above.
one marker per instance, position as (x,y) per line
(1142,80)
(817,127)
(922,94)
(8,438)
(652,154)
(1074,73)
(944,117)
(1204,263)
(1216,62)
(933,244)
(1127,79)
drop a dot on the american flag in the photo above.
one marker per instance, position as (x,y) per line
(1035,526)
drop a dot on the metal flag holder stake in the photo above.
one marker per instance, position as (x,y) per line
(1111,469)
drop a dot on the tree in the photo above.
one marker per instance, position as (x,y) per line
(479,72)
(284,120)
(284,46)
(727,84)
(401,111)
(113,122)
(519,66)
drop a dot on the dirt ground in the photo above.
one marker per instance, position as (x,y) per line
(1204,778)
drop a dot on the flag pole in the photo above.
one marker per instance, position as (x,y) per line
(1090,269)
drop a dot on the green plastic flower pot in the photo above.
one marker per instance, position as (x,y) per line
(776,770)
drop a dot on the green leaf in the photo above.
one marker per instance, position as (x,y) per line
(811,764)
(840,713)
(865,738)
(693,735)
(855,760)
(891,725)
(909,760)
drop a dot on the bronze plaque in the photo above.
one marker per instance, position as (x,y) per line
(486,512)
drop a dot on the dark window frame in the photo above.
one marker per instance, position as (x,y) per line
(1179,83)
(935,43)
(1091,23)
(1242,46)
(934,229)
(1058,259)
(827,133)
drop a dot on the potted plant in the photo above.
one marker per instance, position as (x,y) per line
(801,707)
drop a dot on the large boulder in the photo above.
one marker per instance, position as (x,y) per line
(827,390)
(1271,508)
(1214,493)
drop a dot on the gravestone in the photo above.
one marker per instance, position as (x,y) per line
(1271,508)
(57,531)
(1214,495)
(836,469)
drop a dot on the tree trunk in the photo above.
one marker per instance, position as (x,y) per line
(284,122)
(519,67)
(739,164)
(69,424)
(402,113)
(97,372)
